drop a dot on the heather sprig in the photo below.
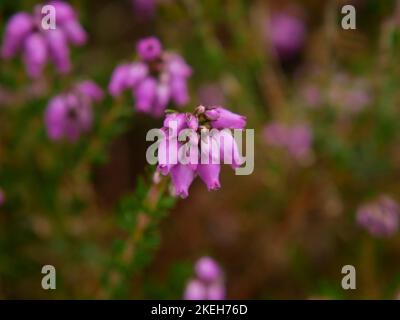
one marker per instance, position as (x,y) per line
(25,35)
(157,78)
(206,149)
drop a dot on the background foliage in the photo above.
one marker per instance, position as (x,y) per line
(91,209)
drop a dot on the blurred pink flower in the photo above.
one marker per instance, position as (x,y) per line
(286,34)
(380,218)
(24,33)
(297,139)
(156,79)
(70,114)
(208,283)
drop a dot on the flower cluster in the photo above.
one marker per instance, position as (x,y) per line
(208,283)
(156,79)
(25,33)
(380,218)
(70,114)
(210,141)
(296,139)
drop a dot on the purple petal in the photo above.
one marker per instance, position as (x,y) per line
(182,177)
(229,150)
(118,82)
(58,49)
(216,291)
(207,269)
(18,28)
(64,12)
(35,54)
(227,119)
(175,122)
(91,90)
(195,290)
(209,173)
(136,73)
(145,95)
(75,33)
(179,91)
(162,98)
(54,117)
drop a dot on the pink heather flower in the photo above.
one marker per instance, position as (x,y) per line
(182,177)
(158,78)
(222,118)
(297,140)
(208,283)
(17,30)
(207,269)
(195,290)
(216,291)
(380,218)
(35,54)
(24,33)
(91,90)
(149,49)
(70,114)
(209,173)
(202,153)
(287,34)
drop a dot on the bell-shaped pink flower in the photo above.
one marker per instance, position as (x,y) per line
(179,91)
(175,122)
(208,283)
(182,177)
(163,94)
(229,150)
(145,94)
(195,290)
(118,80)
(209,173)
(35,54)
(216,291)
(207,269)
(222,118)
(91,90)
(135,73)
(18,28)
(64,11)
(75,33)
(58,50)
